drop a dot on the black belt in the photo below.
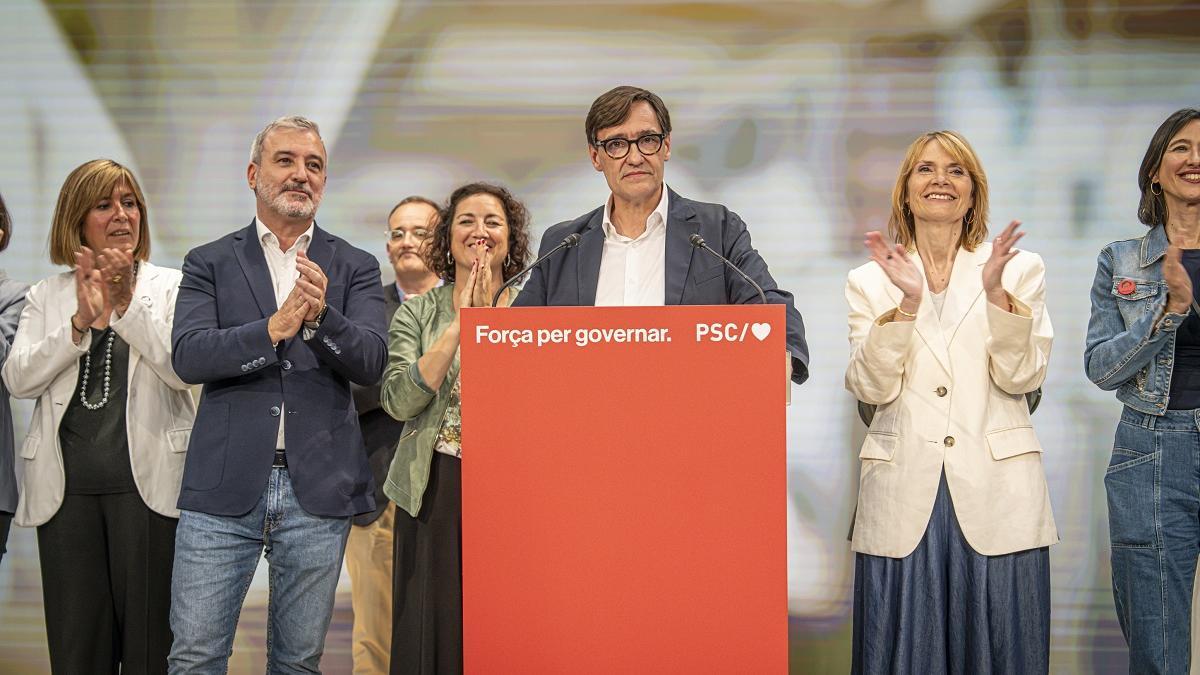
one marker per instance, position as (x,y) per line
(280,460)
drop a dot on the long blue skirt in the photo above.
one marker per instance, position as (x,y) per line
(947,609)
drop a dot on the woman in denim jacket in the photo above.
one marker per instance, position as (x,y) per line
(1144,341)
(481,240)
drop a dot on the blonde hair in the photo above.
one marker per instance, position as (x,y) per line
(84,188)
(901,224)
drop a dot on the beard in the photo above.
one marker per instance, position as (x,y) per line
(276,197)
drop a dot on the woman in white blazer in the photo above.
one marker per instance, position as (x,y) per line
(947,334)
(104,455)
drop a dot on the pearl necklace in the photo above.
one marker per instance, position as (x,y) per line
(87,370)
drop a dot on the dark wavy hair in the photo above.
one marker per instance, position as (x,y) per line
(5,225)
(1152,210)
(438,253)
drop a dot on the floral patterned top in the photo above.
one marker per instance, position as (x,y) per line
(450,435)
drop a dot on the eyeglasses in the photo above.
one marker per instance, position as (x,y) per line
(419,233)
(617,148)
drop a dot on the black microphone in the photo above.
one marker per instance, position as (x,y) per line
(698,242)
(570,241)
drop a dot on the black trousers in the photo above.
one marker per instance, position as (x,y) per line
(106,582)
(5,524)
(427,578)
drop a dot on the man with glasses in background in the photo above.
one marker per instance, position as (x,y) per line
(637,249)
(369,549)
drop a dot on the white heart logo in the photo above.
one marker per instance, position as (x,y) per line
(760,330)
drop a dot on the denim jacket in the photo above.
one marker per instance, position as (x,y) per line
(1130,338)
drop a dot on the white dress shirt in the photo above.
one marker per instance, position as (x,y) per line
(633,271)
(282,266)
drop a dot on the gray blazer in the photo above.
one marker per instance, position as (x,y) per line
(12,299)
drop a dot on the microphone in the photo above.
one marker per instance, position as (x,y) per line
(698,242)
(569,241)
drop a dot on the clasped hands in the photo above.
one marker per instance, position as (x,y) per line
(476,290)
(904,274)
(103,283)
(304,303)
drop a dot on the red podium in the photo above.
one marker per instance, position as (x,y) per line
(624,490)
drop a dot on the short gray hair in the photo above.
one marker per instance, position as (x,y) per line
(285,122)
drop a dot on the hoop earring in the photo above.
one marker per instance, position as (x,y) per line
(1154,183)
(508,260)
(970,218)
(449,259)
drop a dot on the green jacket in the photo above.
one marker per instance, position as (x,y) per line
(404,395)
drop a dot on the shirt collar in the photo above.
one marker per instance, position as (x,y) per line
(404,296)
(268,239)
(657,218)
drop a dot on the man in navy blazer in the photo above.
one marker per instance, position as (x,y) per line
(275,320)
(636,249)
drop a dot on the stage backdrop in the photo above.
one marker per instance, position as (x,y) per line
(795,114)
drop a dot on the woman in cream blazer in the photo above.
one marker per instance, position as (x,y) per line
(104,455)
(947,334)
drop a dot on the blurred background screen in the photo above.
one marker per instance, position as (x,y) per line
(794,114)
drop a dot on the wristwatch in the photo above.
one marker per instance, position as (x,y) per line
(316,322)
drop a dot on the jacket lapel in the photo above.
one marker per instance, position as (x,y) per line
(681,225)
(250,256)
(966,285)
(320,250)
(591,248)
(391,298)
(928,325)
(147,278)
(1154,245)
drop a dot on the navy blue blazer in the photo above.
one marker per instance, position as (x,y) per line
(220,340)
(693,277)
(381,432)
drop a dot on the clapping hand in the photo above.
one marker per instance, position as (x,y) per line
(288,319)
(116,272)
(465,289)
(313,283)
(482,295)
(1179,283)
(89,290)
(1003,250)
(900,270)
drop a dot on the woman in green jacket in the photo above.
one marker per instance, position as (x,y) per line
(481,240)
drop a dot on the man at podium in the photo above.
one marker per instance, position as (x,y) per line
(640,247)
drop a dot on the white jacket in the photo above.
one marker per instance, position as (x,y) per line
(44,364)
(950,392)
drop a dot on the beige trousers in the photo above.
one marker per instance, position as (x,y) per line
(369,564)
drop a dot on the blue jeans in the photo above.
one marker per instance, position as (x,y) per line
(1153,487)
(215,558)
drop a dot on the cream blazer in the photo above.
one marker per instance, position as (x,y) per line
(44,364)
(950,396)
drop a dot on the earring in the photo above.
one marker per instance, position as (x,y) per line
(970,218)
(508,260)
(1153,184)
(449,259)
